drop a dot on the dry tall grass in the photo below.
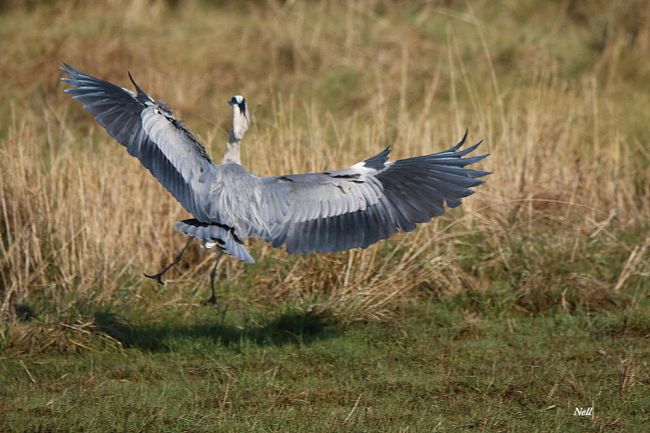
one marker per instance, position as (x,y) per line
(554,92)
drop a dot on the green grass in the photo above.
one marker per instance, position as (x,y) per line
(441,367)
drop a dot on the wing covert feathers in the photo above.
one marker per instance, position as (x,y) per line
(413,191)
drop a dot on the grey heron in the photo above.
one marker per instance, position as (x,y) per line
(313,212)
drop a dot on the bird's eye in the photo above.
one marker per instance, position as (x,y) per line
(233,100)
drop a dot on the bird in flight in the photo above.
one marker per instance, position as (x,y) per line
(313,212)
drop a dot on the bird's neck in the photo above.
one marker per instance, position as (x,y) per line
(232,153)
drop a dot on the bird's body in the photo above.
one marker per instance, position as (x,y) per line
(314,212)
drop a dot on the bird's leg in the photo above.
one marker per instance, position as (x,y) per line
(159,275)
(212,300)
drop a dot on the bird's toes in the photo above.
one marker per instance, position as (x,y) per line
(156,277)
(212,301)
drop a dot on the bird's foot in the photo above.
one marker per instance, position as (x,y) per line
(157,277)
(212,300)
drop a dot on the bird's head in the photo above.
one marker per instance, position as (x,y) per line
(239,116)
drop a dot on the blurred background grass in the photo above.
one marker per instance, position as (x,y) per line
(559,91)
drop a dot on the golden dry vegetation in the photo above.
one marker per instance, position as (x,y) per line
(559,96)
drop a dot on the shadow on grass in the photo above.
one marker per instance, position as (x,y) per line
(289,328)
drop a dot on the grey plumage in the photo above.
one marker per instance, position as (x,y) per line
(320,212)
(217,235)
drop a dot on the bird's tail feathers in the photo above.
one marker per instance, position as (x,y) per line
(216,235)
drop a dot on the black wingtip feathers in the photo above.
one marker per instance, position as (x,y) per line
(141,94)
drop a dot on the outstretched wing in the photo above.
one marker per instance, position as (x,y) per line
(413,191)
(151,133)
(339,210)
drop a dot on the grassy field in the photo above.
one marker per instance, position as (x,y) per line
(444,368)
(503,315)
